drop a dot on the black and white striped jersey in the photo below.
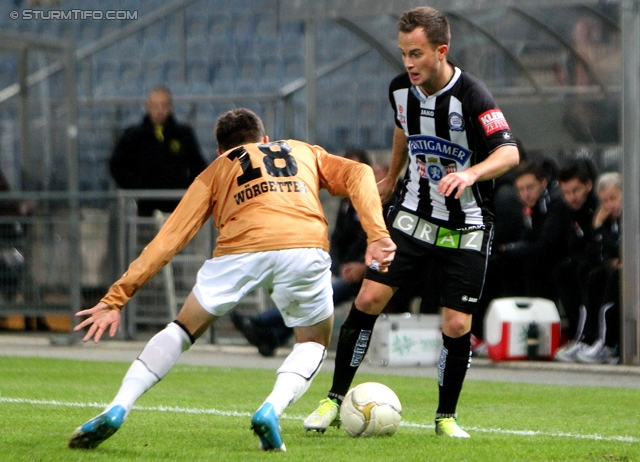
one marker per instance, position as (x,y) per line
(447,132)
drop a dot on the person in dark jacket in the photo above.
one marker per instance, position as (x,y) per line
(602,326)
(576,180)
(528,262)
(158,153)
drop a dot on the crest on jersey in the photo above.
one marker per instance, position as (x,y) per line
(456,122)
(432,170)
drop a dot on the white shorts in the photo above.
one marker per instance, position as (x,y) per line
(298,280)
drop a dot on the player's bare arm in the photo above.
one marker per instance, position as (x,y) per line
(101,318)
(400,153)
(498,163)
(382,252)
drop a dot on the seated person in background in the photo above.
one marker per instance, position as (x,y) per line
(523,265)
(508,227)
(159,153)
(526,264)
(602,326)
(11,260)
(267,330)
(576,180)
(12,263)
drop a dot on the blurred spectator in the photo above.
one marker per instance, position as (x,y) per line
(527,263)
(11,259)
(159,153)
(12,262)
(267,330)
(587,42)
(591,121)
(576,182)
(602,326)
(508,227)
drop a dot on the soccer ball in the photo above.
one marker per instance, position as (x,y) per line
(371,409)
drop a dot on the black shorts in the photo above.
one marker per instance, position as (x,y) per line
(460,258)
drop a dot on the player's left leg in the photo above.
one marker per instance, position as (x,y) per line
(454,361)
(355,333)
(462,273)
(353,343)
(155,361)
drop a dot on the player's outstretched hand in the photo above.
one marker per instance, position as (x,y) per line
(380,253)
(101,317)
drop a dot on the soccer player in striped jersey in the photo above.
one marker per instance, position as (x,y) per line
(264,199)
(456,141)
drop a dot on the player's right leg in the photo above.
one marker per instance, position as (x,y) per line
(155,361)
(302,291)
(294,379)
(353,343)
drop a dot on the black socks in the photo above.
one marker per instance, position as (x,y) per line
(455,359)
(355,335)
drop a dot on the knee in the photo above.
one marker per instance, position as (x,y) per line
(455,324)
(370,302)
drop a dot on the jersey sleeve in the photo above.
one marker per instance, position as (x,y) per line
(186,220)
(355,180)
(488,119)
(393,86)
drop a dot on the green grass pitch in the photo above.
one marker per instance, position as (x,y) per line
(203,413)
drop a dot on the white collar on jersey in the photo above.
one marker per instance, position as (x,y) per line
(423,98)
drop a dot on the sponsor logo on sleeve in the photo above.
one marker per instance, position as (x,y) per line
(492,121)
(401,117)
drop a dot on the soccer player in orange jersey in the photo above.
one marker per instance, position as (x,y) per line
(264,199)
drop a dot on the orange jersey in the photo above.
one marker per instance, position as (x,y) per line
(262,197)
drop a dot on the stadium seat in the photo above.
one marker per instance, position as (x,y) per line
(221,25)
(174,70)
(105,71)
(224,77)
(152,49)
(292,46)
(198,71)
(68,30)
(199,88)
(243,29)
(8,71)
(198,26)
(154,74)
(268,47)
(48,28)
(131,69)
(266,25)
(89,31)
(272,74)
